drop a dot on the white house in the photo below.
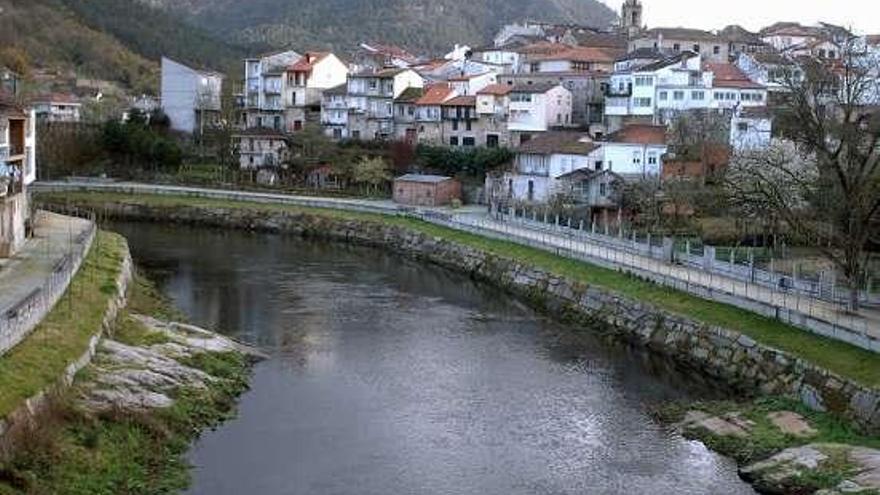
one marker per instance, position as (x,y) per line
(538,108)
(305,81)
(732,88)
(507,56)
(264,88)
(635,151)
(190,97)
(709,45)
(371,97)
(57,107)
(751,128)
(770,70)
(334,112)
(541,162)
(470,84)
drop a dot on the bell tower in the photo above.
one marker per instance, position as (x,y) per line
(631,17)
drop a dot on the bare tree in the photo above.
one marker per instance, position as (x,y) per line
(825,182)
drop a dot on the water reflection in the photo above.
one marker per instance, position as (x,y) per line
(390,376)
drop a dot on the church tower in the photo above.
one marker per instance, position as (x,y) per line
(631,17)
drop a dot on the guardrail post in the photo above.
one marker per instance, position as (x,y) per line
(708,257)
(668,251)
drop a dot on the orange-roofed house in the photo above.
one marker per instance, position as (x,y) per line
(572,59)
(636,150)
(493,108)
(429,115)
(306,80)
(732,88)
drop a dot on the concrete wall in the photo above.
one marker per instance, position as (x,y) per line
(729,356)
(13,214)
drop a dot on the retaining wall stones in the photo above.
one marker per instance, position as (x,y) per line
(720,353)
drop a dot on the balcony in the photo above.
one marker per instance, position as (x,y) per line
(618,93)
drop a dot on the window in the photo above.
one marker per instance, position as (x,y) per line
(492,140)
(469,141)
(603,189)
(531,194)
(534,67)
(643,102)
(678,95)
(598,165)
(698,95)
(355,134)
(373,84)
(637,158)
(644,80)
(696,48)
(559,118)
(742,126)
(716,50)
(453,141)
(718,95)
(676,47)
(652,159)
(662,96)
(831,54)
(467,125)
(454,125)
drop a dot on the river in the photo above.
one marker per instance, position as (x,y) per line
(389,376)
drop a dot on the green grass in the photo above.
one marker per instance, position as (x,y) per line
(74,452)
(63,336)
(765,439)
(846,360)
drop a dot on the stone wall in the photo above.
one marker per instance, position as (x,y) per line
(736,359)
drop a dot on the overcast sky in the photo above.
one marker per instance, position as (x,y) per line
(862,15)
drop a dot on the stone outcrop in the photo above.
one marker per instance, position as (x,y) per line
(791,470)
(723,354)
(133,378)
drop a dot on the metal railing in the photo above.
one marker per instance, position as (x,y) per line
(656,260)
(18,319)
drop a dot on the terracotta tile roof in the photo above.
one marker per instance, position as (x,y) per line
(308,61)
(461,101)
(543,48)
(730,76)
(580,54)
(436,94)
(559,142)
(738,34)
(639,134)
(410,95)
(496,89)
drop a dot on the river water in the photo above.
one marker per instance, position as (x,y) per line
(388,376)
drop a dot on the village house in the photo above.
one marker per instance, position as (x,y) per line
(507,57)
(794,37)
(190,97)
(542,161)
(57,107)
(260,147)
(751,128)
(405,121)
(470,84)
(635,151)
(732,88)
(371,97)
(372,56)
(264,89)
(740,40)
(460,126)
(538,108)
(587,93)
(771,70)
(710,46)
(306,80)
(426,190)
(429,113)
(493,109)
(334,112)
(572,59)
(17,172)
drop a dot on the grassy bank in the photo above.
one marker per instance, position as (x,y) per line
(844,359)
(63,336)
(79,453)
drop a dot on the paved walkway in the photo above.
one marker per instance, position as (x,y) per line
(867,322)
(54,238)
(824,317)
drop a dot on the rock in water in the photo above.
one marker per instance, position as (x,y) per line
(786,471)
(132,378)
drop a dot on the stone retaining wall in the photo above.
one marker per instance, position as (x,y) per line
(720,353)
(32,406)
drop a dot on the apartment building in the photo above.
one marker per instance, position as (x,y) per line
(190,97)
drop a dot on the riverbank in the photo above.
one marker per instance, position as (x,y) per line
(125,422)
(750,353)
